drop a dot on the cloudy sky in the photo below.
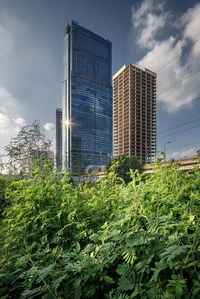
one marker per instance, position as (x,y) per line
(163,36)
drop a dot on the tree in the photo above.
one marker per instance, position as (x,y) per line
(1,165)
(122,165)
(26,147)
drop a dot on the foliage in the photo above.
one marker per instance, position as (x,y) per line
(1,165)
(102,240)
(4,183)
(28,146)
(121,166)
(2,194)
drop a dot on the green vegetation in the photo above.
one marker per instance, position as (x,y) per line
(121,166)
(4,183)
(2,194)
(102,240)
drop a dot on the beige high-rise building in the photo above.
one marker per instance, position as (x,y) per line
(134,113)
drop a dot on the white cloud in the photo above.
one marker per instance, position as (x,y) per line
(8,104)
(50,133)
(153,23)
(147,21)
(4,120)
(49,126)
(191,152)
(20,122)
(160,52)
(191,21)
(11,118)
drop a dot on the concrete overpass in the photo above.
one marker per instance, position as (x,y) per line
(185,165)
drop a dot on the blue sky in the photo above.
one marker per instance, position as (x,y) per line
(148,33)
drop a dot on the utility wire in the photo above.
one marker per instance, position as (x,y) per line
(195,71)
(180,131)
(184,49)
(179,81)
(170,148)
(180,125)
(166,112)
(176,56)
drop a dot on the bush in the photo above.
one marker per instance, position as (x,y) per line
(121,166)
(105,240)
(2,194)
(4,183)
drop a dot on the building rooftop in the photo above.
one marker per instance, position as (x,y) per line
(138,68)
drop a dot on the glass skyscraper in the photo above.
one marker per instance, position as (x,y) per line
(87,99)
(58,138)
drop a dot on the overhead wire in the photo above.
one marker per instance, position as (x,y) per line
(187,144)
(180,131)
(180,125)
(179,81)
(176,56)
(166,112)
(176,83)
(183,50)
(173,84)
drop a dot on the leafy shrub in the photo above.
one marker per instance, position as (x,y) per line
(121,166)
(4,183)
(102,240)
(2,194)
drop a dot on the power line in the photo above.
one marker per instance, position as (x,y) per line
(187,144)
(184,49)
(173,84)
(184,78)
(180,131)
(180,125)
(179,81)
(176,56)
(166,112)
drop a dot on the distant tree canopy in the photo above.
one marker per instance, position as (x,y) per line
(122,165)
(27,146)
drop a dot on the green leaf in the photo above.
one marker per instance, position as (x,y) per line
(196,283)
(108,279)
(123,269)
(78,247)
(179,291)
(46,271)
(125,285)
(29,293)
(58,281)
(195,291)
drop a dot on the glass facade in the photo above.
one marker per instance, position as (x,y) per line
(87,99)
(58,138)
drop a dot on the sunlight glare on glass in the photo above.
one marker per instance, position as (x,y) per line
(67,122)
